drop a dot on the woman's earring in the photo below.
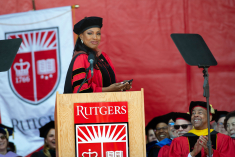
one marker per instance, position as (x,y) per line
(81,41)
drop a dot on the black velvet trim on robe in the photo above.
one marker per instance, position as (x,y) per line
(78,71)
(88,90)
(192,139)
(67,85)
(107,72)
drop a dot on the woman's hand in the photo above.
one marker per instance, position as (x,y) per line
(128,85)
(115,87)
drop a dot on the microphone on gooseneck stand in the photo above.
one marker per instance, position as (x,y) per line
(91,59)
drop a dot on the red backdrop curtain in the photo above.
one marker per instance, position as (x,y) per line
(136,36)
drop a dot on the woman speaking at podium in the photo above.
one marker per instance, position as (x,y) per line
(104,78)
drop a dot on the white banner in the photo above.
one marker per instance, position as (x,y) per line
(28,89)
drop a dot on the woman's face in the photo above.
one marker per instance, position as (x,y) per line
(3,142)
(231,126)
(50,139)
(91,37)
(151,136)
(220,126)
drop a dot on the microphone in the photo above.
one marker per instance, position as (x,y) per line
(91,59)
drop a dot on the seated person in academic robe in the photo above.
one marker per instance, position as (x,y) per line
(194,143)
(164,131)
(229,124)
(5,132)
(48,133)
(220,116)
(150,136)
(182,126)
(149,132)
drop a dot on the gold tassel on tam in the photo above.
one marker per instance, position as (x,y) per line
(212,109)
(6,133)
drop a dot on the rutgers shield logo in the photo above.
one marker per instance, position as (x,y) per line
(35,72)
(105,140)
(101,129)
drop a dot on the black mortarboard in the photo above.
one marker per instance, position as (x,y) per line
(8,51)
(46,128)
(220,114)
(168,116)
(179,115)
(162,119)
(150,125)
(200,104)
(86,23)
(6,130)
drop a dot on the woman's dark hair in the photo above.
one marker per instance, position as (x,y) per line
(79,46)
(229,115)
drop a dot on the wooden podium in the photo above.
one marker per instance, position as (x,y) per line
(64,119)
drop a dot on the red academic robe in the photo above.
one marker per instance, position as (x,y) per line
(224,147)
(95,84)
(164,151)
